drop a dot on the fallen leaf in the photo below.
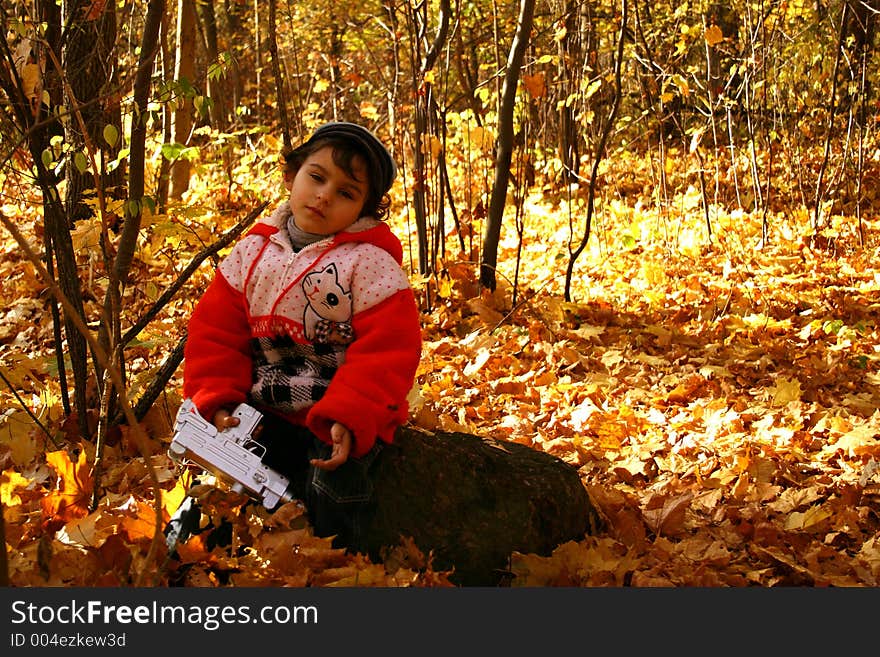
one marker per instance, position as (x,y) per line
(668,519)
(72,495)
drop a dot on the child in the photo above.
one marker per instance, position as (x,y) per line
(311,319)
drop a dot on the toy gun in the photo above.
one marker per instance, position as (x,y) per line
(232,454)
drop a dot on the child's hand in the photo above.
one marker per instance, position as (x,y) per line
(341,448)
(223,419)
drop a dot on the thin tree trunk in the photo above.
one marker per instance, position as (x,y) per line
(57,236)
(258,52)
(504,144)
(423,109)
(164,175)
(50,15)
(89,64)
(569,49)
(208,17)
(607,127)
(184,69)
(131,226)
(829,133)
(279,79)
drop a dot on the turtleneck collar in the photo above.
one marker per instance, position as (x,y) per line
(300,238)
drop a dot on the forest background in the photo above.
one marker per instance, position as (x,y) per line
(643,237)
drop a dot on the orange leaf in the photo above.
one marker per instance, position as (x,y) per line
(535,85)
(669,518)
(139,521)
(73,493)
(714,35)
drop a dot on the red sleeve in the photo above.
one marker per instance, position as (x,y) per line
(217,355)
(368,392)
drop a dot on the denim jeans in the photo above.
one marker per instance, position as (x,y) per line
(338,501)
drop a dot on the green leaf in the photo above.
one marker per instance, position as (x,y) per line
(185,87)
(111,134)
(172,151)
(80,162)
(202,104)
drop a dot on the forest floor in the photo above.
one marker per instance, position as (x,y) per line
(717,394)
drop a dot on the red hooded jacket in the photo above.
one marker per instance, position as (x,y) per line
(330,333)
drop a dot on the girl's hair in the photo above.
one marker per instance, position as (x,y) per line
(345,150)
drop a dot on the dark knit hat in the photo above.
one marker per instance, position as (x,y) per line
(378,157)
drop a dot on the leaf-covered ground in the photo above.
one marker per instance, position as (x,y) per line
(718,396)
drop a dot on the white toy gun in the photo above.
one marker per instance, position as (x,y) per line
(232,455)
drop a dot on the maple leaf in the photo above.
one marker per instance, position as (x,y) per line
(83,531)
(194,550)
(535,84)
(714,35)
(71,498)
(785,390)
(137,520)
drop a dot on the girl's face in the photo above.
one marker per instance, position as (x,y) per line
(324,199)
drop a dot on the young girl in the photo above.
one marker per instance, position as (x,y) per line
(311,319)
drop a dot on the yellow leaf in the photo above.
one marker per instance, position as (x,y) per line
(30,81)
(611,358)
(86,236)
(793,498)
(10,481)
(859,441)
(172,499)
(586,332)
(481,138)
(138,521)
(785,390)
(812,516)
(368,110)
(83,531)
(488,315)
(18,435)
(431,145)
